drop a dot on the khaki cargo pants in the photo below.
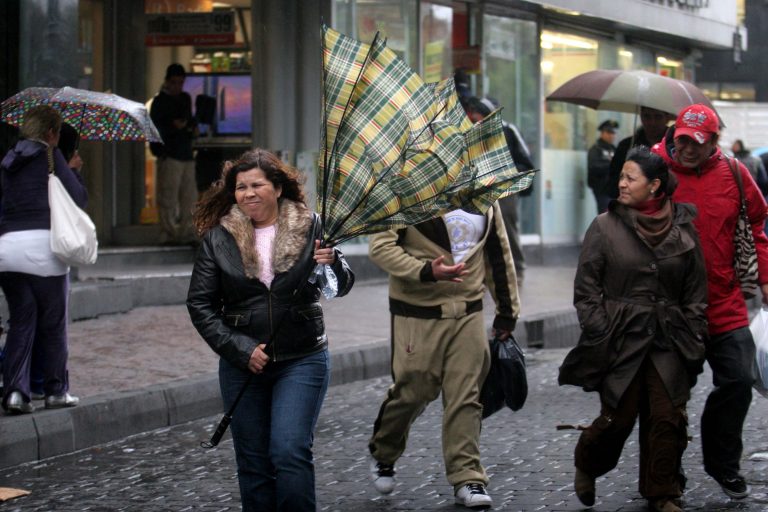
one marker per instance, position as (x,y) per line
(429,356)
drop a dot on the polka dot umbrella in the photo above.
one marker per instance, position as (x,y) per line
(95,115)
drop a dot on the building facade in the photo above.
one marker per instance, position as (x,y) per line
(514,51)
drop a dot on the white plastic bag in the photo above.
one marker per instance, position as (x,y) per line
(73,235)
(759,328)
(326,279)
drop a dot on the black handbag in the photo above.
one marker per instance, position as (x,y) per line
(506,383)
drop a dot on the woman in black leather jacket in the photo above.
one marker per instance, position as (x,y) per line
(250,299)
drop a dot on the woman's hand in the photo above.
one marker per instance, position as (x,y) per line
(324,256)
(258,360)
(443,272)
(76,162)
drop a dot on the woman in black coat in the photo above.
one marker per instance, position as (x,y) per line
(250,299)
(640,293)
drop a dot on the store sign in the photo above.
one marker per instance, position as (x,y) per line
(193,28)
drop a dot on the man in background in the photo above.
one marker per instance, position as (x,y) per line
(599,163)
(477,109)
(654,126)
(176,187)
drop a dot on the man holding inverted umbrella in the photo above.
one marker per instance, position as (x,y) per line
(402,159)
(396,152)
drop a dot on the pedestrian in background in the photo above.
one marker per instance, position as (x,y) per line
(477,110)
(250,299)
(640,293)
(463,86)
(171,112)
(438,272)
(707,180)
(599,159)
(753,164)
(35,282)
(654,126)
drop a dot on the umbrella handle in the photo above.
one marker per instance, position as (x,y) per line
(218,434)
(227,419)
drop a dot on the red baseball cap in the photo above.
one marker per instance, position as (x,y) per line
(698,122)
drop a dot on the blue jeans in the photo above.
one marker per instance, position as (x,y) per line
(731,356)
(273,430)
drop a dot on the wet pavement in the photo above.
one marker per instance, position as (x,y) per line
(528,460)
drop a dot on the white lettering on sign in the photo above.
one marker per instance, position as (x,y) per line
(196,28)
(191,23)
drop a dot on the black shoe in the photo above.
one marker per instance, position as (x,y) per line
(735,487)
(584,485)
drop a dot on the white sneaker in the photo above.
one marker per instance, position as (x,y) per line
(383,476)
(473,496)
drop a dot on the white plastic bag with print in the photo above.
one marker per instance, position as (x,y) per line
(759,328)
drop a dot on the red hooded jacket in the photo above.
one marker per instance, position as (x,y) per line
(713,189)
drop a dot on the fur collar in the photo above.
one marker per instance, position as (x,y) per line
(293,222)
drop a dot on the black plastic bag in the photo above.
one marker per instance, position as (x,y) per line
(506,383)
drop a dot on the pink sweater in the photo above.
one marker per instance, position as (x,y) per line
(264,239)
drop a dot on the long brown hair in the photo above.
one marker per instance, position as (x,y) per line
(219,198)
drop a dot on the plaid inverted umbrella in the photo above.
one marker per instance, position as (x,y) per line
(95,115)
(397,151)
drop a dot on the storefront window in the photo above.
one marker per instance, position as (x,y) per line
(395,20)
(510,75)
(728,91)
(563,56)
(672,68)
(436,36)
(218,71)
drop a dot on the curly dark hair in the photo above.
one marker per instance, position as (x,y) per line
(219,198)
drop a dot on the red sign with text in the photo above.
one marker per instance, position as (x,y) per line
(215,28)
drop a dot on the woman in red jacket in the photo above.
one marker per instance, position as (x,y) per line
(706,180)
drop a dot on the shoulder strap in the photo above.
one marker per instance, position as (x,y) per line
(49,153)
(737,176)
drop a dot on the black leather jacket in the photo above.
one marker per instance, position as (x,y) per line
(234,313)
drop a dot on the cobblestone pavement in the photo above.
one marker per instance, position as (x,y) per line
(528,460)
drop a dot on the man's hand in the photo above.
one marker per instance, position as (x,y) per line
(259,359)
(443,272)
(501,334)
(764,289)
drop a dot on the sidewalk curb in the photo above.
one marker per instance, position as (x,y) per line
(111,416)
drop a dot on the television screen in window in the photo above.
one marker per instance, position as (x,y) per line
(232,95)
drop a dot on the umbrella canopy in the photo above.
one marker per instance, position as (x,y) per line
(627,91)
(95,115)
(397,151)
